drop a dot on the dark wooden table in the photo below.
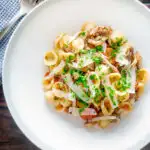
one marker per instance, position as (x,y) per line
(11,138)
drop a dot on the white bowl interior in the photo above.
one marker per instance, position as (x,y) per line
(24,69)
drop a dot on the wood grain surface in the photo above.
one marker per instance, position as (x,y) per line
(11,138)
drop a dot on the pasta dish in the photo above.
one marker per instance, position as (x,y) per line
(95,74)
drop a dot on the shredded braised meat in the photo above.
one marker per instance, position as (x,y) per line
(100,31)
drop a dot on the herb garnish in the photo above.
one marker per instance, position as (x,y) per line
(115,52)
(124,82)
(93,77)
(102,89)
(100,48)
(82,33)
(84,51)
(116,46)
(97,60)
(70,58)
(65,70)
(72,71)
(82,80)
(66,45)
(95,92)
(111,95)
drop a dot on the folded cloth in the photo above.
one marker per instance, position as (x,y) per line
(8,9)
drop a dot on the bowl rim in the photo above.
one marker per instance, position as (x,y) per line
(13,112)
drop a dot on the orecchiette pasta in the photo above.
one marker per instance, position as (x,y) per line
(57,41)
(87,26)
(60,86)
(94,74)
(104,123)
(93,79)
(64,41)
(106,107)
(66,103)
(89,124)
(49,96)
(64,55)
(47,83)
(139,89)
(95,42)
(50,58)
(125,108)
(114,77)
(59,108)
(78,44)
(142,75)
(122,96)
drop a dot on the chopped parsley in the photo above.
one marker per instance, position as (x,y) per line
(83,51)
(67,60)
(72,71)
(73,95)
(91,51)
(111,95)
(65,70)
(70,58)
(66,45)
(110,70)
(99,48)
(124,82)
(93,77)
(82,80)
(97,100)
(84,104)
(82,33)
(102,75)
(104,81)
(97,60)
(116,46)
(111,92)
(81,63)
(118,43)
(65,79)
(102,89)
(95,92)
(99,68)
(115,52)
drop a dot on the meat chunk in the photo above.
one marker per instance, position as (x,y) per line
(100,31)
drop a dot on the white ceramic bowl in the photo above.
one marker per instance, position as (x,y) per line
(23,70)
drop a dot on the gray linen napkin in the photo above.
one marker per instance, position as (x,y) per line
(8,9)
